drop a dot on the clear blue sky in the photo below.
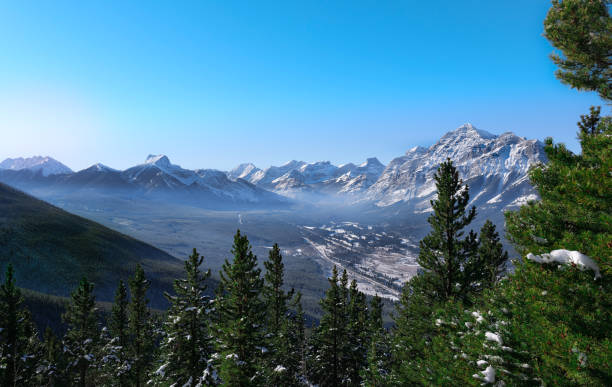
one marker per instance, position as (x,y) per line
(215,83)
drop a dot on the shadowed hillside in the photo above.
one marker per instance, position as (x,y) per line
(52,249)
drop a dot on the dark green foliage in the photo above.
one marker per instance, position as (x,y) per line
(284,329)
(81,339)
(443,253)
(287,366)
(140,329)
(19,347)
(274,295)
(561,317)
(575,210)
(582,31)
(241,310)
(118,322)
(413,329)
(115,362)
(357,337)
(378,366)
(53,363)
(328,341)
(186,347)
(491,256)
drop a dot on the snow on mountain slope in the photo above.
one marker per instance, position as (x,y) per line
(243,171)
(46,165)
(494,167)
(321,177)
(157,173)
(156,177)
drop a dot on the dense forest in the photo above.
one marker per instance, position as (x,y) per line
(472,316)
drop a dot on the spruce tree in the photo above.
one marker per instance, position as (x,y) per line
(187,346)
(443,252)
(274,295)
(53,362)
(288,366)
(582,32)
(329,338)
(282,328)
(357,336)
(19,349)
(491,255)
(240,327)
(379,351)
(81,339)
(115,362)
(140,329)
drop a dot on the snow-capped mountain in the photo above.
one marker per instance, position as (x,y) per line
(494,167)
(322,177)
(243,171)
(46,165)
(156,177)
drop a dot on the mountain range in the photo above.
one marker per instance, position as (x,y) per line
(494,166)
(157,178)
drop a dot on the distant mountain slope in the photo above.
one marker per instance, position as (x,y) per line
(45,165)
(156,178)
(494,167)
(52,249)
(322,177)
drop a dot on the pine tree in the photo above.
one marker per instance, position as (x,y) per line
(240,328)
(413,330)
(19,349)
(53,362)
(582,31)
(140,329)
(274,295)
(288,368)
(379,351)
(187,348)
(491,255)
(575,210)
(81,339)
(115,361)
(357,336)
(443,253)
(329,338)
(282,328)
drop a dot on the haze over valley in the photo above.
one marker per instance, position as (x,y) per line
(366,218)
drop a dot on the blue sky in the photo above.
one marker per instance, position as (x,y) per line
(216,83)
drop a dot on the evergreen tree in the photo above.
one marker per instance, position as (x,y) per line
(288,368)
(282,329)
(443,253)
(19,349)
(140,329)
(413,330)
(357,336)
(582,31)
(186,348)
(115,361)
(379,351)
(329,338)
(81,339)
(274,295)
(53,362)
(491,255)
(240,328)
(575,210)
